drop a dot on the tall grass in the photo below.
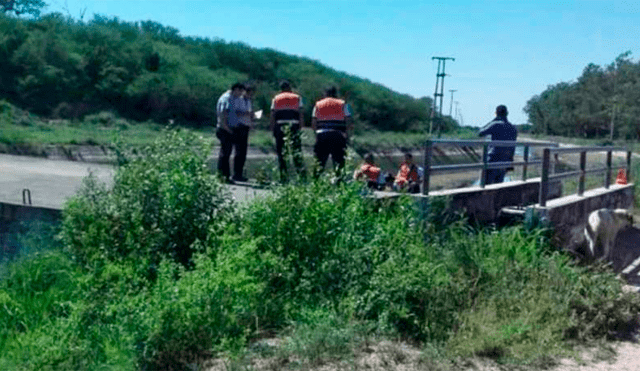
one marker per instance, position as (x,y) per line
(158,277)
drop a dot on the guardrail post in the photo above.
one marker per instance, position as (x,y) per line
(607,177)
(583,168)
(483,174)
(526,160)
(26,196)
(427,167)
(544,179)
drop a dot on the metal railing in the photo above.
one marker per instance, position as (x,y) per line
(484,165)
(581,174)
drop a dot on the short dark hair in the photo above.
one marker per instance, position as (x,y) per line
(501,111)
(238,85)
(368,157)
(285,85)
(331,91)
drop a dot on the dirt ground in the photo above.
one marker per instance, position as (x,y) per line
(389,356)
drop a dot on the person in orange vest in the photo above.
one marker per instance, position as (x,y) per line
(331,120)
(408,176)
(369,171)
(286,111)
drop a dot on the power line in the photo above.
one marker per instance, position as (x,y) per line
(439,86)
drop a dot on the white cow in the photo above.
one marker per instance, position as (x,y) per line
(602,228)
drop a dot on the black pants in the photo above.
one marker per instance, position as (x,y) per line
(493,176)
(295,147)
(238,138)
(332,143)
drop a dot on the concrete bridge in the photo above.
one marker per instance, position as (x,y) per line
(542,199)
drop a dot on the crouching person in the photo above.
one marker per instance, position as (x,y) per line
(408,177)
(369,172)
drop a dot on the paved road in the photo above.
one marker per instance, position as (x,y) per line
(51,182)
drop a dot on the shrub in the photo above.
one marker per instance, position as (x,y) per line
(162,201)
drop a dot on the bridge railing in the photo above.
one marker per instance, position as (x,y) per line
(429,169)
(546,176)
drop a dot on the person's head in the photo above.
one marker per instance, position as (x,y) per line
(408,158)
(237,89)
(501,111)
(285,85)
(368,158)
(249,90)
(331,91)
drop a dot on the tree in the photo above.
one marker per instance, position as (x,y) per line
(19,7)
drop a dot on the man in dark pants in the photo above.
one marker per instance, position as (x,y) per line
(500,129)
(232,132)
(287,116)
(331,120)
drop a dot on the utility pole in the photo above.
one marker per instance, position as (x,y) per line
(439,89)
(451,103)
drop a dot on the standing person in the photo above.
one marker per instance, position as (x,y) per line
(287,115)
(232,132)
(500,129)
(331,120)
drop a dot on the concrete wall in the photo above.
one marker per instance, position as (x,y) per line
(484,204)
(568,215)
(16,219)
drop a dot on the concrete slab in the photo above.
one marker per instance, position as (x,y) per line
(52,182)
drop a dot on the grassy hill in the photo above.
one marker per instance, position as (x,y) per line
(61,68)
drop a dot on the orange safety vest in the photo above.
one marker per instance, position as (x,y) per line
(372,172)
(330,114)
(286,107)
(407,173)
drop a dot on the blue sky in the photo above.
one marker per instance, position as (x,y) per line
(505,51)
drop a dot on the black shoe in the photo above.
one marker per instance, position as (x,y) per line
(229,181)
(240,179)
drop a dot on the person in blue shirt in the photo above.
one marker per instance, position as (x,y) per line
(499,129)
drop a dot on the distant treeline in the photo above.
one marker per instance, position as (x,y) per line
(58,67)
(602,103)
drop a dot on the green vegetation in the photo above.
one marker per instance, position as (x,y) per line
(60,68)
(602,103)
(152,275)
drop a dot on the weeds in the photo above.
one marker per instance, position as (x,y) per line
(157,276)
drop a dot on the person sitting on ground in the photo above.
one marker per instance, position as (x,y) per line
(408,178)
(369,171)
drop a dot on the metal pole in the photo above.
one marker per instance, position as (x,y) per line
(583,167)
(451,103)
(439,84)
(544,179)
(427,167)
(483,174)
(526,160)
(607,176)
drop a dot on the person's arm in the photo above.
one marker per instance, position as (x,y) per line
(314,120)
(225,121)
(347,119)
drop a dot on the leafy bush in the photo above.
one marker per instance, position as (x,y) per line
(162,201)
